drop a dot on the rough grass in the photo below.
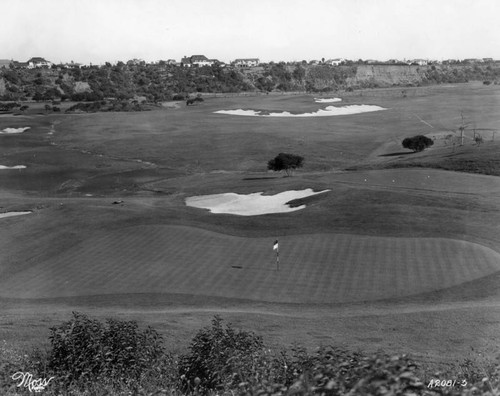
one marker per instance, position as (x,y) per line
(89,357)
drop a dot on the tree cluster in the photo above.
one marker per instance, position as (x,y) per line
(160,82)
(417,143)
(286,162)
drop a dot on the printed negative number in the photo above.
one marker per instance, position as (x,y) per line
(446,383)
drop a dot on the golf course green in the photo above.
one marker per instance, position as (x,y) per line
(401,253)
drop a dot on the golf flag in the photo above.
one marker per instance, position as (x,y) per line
(275,246)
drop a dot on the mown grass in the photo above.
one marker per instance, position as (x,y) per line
(194,151)
(315,268)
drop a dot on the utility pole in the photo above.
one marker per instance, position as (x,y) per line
(462,128)
(277,260)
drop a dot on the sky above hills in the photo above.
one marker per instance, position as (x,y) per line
(273,30)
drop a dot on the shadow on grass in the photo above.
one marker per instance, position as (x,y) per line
(394,154)
(260,178)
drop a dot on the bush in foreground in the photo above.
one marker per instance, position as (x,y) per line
(216,353)
(88,357)
(84,350)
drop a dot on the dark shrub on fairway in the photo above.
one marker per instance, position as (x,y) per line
(417,143)
(215,353)
(286,162)
(85,349)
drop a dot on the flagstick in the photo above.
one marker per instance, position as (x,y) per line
(277,259)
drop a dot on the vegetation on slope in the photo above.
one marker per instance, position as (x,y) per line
(160,82)
(471,159)
(88,357)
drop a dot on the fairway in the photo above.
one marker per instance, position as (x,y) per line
(108,221)
(322,268)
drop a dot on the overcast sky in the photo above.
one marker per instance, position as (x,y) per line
(110,30)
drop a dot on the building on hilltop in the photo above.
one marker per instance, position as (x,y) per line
(335,62)
(420,62)
(38,62)
(72,65)
(246,62)
(473,60)
(197,60)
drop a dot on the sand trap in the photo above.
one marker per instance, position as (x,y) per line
(10,214)
(250,204)
(327,100)
(240,112)
(326,112)
(13,167)
(8,131)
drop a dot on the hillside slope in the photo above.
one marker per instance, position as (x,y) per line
(157,82)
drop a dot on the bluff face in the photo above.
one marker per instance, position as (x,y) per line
(388,75)
(157,82)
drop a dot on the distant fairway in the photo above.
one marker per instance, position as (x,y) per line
(317,268)
(107,193)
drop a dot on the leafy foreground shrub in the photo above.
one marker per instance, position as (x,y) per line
(116,353)
(89,357)
(417,143)
(223,361)
(218,356)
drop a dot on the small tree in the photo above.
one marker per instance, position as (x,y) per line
(286,162)
(417,143)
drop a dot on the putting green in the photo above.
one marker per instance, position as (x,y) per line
(319,268)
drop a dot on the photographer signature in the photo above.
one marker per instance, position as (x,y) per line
(33,385)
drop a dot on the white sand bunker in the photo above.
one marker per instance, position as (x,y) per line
(326,112)
(327,100)
(13,167)
(250,204)
(8,131)
(10,214)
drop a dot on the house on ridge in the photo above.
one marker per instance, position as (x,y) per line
(420,62)
(335,62)
(246,62)
(73,65)
(197,60)
(38,62)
